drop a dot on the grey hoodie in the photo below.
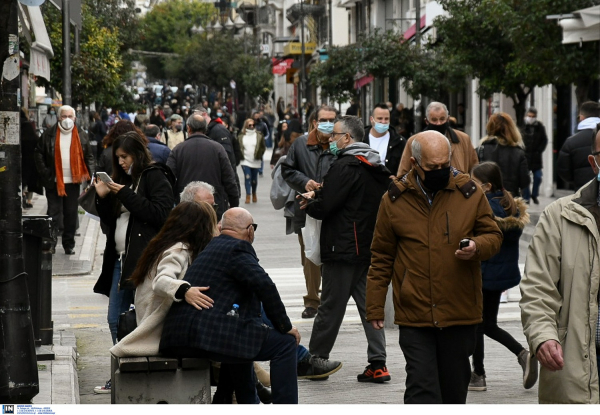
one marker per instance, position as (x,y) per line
(363,149)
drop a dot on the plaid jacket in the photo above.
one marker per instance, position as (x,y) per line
(230,268)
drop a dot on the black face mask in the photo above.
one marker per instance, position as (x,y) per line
(436,179)
(442,128)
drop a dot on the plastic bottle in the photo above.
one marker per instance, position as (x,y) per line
(234,311)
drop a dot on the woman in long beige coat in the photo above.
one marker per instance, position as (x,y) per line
(159,273)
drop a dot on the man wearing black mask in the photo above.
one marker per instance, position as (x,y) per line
(434,260)
(464,156)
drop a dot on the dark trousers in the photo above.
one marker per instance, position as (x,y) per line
(340,281)
(437,363)
(63,211)
(489,327)
(280,349)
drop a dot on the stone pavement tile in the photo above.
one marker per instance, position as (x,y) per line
(45,382)
(65,387)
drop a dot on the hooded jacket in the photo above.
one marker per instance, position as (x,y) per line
(414,247)
(559,295)
(501,271)
(348,203)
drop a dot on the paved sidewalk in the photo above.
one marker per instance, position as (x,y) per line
(85,244)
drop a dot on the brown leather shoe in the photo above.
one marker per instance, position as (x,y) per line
(254,199)
(247,199)
(309,312)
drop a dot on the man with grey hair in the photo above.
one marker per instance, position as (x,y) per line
(64,160)
(174,134)
(464,156)
(199,192)
(434,226)
(347,203)
(201,159)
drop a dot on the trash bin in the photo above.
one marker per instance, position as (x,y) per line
(38,234)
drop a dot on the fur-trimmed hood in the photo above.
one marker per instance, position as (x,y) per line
(514,222)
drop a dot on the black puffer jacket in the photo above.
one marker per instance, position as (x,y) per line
(306,160)
(44,156)
(348,204)
(148,207)
(572,164)
(511,160)
(395,149)
(535,139)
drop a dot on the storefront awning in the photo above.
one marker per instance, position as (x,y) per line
(583,27)
(41,48)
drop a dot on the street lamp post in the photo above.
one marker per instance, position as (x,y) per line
(66,70)
(301,91)
(19,381)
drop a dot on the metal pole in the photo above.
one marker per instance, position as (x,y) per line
(76,32)
(301,92)
(66,99)
(18,368)
(418,23)
(330,44)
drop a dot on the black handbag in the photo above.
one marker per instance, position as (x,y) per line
(127,323)
(87,200)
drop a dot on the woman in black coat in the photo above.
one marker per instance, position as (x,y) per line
(29,179)
(134,206)
(504,146)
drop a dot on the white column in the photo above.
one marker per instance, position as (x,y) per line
(544,104)
(475,111)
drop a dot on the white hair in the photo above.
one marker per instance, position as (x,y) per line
(189,191)
(66,108)
(434,106)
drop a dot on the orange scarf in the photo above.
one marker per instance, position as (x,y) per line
(79,170)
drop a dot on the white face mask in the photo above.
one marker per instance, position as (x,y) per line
(67,123)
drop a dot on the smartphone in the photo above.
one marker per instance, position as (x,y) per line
(463,243)
(104,177)
(308,199)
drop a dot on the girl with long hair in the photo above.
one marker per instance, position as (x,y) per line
(159,273)
(133,207)
(500,273)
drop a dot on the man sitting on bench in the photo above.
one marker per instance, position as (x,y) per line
(236,336)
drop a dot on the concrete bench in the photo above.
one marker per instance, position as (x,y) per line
(152,380)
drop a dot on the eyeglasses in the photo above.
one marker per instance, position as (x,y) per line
(326,120)
(250,125)
(254,225)
(334,133)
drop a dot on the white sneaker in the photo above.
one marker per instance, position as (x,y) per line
(103,389)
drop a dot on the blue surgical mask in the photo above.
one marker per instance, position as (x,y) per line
(219,114)
(325,127)
(381,128)
(598,167)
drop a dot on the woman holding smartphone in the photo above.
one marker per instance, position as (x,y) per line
(134,206)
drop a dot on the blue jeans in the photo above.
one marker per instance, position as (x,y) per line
(250,179)
(537,181)
(118,301)
(301,351)
(280,349)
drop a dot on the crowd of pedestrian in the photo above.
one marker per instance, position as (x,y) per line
(430,213)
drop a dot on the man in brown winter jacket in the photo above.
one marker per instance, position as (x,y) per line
(437,286)
(463,158)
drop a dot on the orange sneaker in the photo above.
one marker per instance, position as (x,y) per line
(379,375)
